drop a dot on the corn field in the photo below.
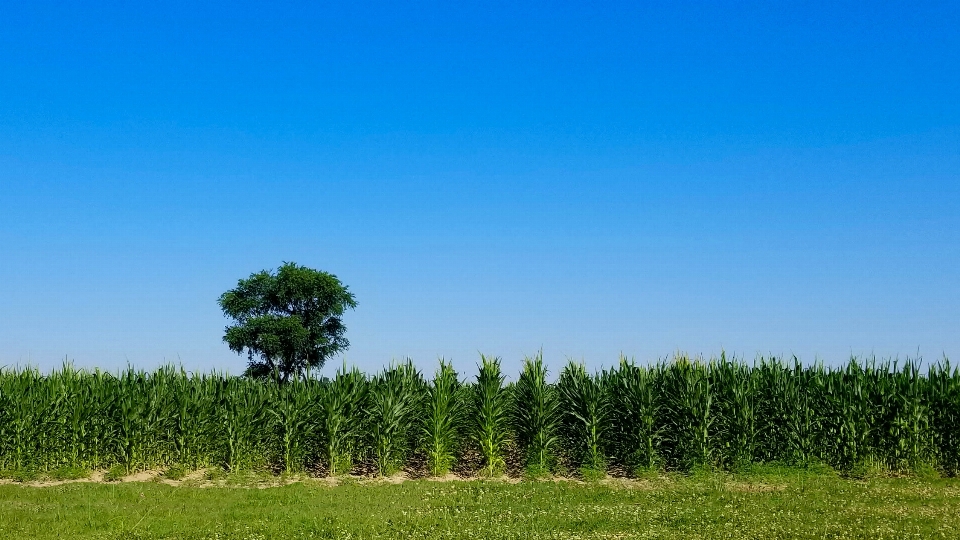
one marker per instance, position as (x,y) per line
(677,414)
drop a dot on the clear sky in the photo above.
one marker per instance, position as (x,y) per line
(589,178)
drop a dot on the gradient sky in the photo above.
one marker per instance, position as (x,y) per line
(589,178)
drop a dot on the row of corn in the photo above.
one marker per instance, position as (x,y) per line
(680,414)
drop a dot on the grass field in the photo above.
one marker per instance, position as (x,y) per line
(780,503)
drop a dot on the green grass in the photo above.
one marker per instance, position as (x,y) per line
(115,473)
(176,472)
(758,503)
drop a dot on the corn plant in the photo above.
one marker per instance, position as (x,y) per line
(635,419)
(490,415)
(99,425)
(735,428)
(900,429)
(240,405)
(131,402)
(943,397)
(847,433)
(585,407)
(26,408)
(534,416)
(443,420)
(66,423)
(786,411)
(688,413)
(341,406)
(394,397)
(912,422)
(194,425)
(290,408)
(678,415)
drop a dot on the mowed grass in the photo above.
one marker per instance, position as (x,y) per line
(782,504)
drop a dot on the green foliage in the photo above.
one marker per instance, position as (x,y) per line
(688,414)
(585,407)
(735,431)
(787,397)
(863,418)
(942,396)
(240,407)
(69,473)
(287,322)
(115,473)
(340,416)
(443,419)
(291,409)
(535,416)
(175,472)
(490,415)
(394,398)
(21,475)
(636,428)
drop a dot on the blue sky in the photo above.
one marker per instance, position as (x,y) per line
(589,178)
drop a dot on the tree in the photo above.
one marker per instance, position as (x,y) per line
(287,321)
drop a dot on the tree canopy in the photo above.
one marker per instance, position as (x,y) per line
(287,321)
